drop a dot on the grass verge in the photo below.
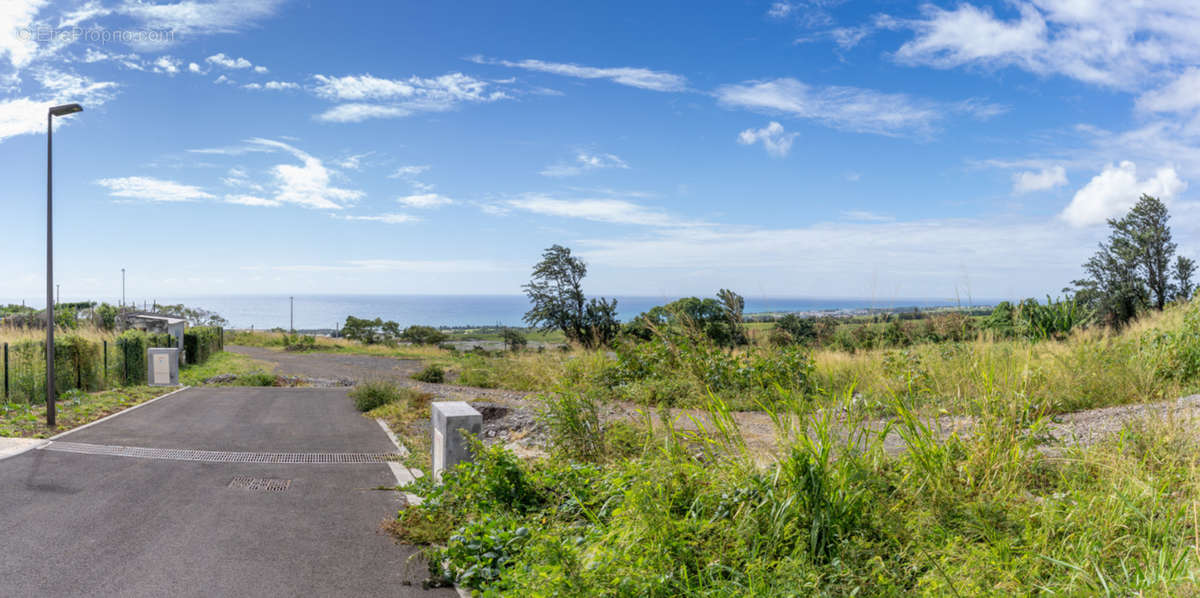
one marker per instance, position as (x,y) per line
(223,363)
(74,409)
(407,415)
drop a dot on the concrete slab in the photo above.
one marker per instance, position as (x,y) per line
(11,447)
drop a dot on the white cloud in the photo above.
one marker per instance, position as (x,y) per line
(1039,180)
(228,62)
(199,16)
(252,200)
(584,162)
(615,211)
(195,68)
(408,171)
(1180,95)
(1121,45)
(353,162)
(272,86)
(1112,192)
(850,108)
(352,113)
(167,64)
(260,70)
(71,87)
(15,16)
(306,185)
(424,200)
(384,218)
(27,115)
(223,80)
(399,97)
(152,189)
(774,139)
(641,78)
(85,12)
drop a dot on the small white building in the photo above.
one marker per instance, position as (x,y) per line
(159,324)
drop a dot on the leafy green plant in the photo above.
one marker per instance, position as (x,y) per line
(433,373)
(371,394)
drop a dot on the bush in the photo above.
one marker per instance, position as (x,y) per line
(299,342)
(513,339)
(423,335)
(433,373)
(132,345)
(201,342)
(375,393)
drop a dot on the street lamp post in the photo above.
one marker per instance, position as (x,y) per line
(62,110)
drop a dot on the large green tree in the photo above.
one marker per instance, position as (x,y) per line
(1132,269)
(556,292)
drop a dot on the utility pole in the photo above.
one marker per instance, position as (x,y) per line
(292,318)
(122,287)
(62,110)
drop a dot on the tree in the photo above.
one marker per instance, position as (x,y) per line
(1185,268)
(792,328)
(1132,269)
(1144,238)
(556,292)
(513,339)
(423,335)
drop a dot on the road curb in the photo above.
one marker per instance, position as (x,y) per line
(404,475)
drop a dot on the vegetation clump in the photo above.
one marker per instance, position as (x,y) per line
(433,373)
(374,393)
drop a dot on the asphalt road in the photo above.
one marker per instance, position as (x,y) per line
(100,525)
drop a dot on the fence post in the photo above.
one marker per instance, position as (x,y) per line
(104,381)
(5,372)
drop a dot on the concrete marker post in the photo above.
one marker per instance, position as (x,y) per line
(450,420)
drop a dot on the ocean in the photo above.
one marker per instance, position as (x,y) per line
(314,312)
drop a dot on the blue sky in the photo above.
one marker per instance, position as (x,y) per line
(822,148)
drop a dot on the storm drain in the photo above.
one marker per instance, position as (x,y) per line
(220,456)
(243,482)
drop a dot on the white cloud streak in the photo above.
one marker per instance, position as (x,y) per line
(641,78)
(152,189)
(1115,190)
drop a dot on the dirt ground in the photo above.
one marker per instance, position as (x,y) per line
(509,416)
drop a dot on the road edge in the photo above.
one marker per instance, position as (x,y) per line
(121,412)
(36,443)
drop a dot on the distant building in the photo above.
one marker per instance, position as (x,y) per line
(156,323)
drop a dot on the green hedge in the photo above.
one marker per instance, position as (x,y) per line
(78,364)
(131,346)
(200,342)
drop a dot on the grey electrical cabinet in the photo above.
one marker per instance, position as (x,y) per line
(162,366)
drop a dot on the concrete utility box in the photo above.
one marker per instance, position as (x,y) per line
(450,448)
(162,366)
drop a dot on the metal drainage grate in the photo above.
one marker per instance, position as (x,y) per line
(220,456)
(243,482)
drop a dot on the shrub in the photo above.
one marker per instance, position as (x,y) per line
(513,339)
(257,379)
(299,342)
(201,342)
(433,373)
(423,335)
(375,393)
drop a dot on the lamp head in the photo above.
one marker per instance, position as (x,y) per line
(65,109)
